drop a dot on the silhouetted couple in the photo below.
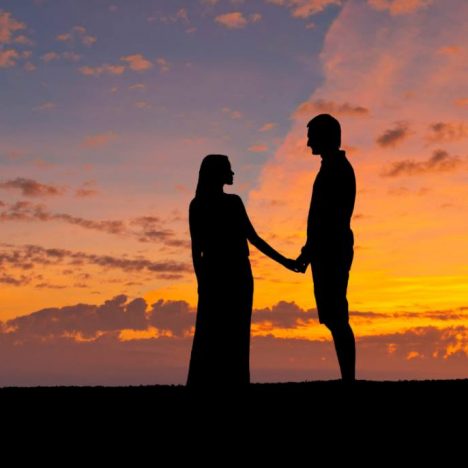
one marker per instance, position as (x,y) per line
(220,229)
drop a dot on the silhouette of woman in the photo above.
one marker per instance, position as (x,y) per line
(220,228)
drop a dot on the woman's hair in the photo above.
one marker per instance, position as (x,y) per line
(212,171)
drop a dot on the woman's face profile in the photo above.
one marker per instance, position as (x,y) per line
(228,176)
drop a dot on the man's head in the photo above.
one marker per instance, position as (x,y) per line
(324,134)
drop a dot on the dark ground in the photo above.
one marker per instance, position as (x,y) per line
(317,397)
(290,420)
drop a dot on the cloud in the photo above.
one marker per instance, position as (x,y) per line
(461,102)
(255,17)
(284,315)
(209,2)
(77,33)
(71,56)
(137,86)
(32,188)
(28,256)
(233,20)
(87,189)
(8,27)
(65,37)
(443,132)
(23,280)
(52,56)
(48,105)
(8,58)
(180,16)
(163,64)
(232,113)
(29,67)
(137,62)
(84,320)
(143,105)
(102,69)
(85,192)
(392,137)
(175,317)
(320,106)
(148,228)
(450,50)
(440,161)
(399,7)
(305,8)
(23,40)
(125,341)
(99,140)
(267,127)
(260,148)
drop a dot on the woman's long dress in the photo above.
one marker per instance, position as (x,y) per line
(219,226)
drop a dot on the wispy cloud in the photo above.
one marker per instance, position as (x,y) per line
(234,114)
(99,140)
(8,58)
(77,33)
(440,161)
(399,7)
(259,148)
(304,8)
(142,228)
(139,86)
(28,256)
(8,27)
(393,136)
(53,56)
(237,20)
(32,188)
(163,64)
(48,105)
(309,108)
(137,62)
(102,69)
(461,102)
(267,127)
(441,132)
(181,15)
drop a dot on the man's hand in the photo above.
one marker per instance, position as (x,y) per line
(302,261)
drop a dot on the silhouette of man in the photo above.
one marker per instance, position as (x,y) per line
(329,246)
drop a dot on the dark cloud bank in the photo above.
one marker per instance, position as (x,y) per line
(82,345)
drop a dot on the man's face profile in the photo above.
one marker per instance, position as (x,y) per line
(313,141)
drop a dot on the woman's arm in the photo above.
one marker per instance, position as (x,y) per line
(196,241)
(266,248)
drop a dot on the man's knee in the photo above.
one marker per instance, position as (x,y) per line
(338,327)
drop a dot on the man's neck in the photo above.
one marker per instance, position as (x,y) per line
(330,154)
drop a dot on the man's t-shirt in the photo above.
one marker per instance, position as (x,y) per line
(329,234)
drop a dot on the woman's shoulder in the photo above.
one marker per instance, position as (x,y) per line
(194,204)
(233,197)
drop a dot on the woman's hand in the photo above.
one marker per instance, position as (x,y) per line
(292,265)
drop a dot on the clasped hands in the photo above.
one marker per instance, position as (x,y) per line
(298,266)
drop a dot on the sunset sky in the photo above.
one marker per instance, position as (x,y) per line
(107,109)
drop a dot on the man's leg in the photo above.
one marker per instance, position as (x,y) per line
(330,286)
(345,346)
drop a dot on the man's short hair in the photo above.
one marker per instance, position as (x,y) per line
(328,126)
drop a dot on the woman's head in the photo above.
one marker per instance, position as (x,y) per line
(215,171)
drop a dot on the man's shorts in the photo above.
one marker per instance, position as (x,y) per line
(330,277)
